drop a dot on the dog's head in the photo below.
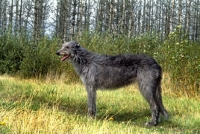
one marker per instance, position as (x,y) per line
(68,50)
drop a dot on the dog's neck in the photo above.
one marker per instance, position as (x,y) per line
(80,60)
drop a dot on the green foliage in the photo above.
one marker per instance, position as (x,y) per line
(21,56)
(11,54)
(107,44)
(40,59)
(181,58)
(177,55)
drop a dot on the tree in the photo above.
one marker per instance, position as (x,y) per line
(128,17)
(11,16)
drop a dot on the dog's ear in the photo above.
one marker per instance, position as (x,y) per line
(77,45)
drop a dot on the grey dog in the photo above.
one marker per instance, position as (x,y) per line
(99,71)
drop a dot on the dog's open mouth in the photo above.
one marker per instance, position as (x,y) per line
(64,57)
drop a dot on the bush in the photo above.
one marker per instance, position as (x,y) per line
(106,44)
(181,58)
(40,59)
(11,54)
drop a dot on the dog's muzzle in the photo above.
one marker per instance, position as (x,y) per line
(58,53)
(65,56)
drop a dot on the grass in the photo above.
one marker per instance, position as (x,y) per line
(56,107)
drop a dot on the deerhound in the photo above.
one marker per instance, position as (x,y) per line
(99,71)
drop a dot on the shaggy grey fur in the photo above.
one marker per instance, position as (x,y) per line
(109,72)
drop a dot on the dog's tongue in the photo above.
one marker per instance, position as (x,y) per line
(64,58)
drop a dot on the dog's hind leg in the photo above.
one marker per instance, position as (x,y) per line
(91,92)
(148,89)
(160,104)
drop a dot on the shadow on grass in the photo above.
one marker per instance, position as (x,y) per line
(77,107)
(70,105)
(139,117)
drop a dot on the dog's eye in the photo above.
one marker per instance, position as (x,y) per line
(67,47)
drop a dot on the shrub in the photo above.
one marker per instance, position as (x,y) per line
(11,54)
(182,60)
(40,59)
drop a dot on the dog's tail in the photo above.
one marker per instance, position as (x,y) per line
(160,104)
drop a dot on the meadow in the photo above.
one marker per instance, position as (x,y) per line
(41,95)
(32,106)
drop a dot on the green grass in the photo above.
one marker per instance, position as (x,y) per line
(55,107)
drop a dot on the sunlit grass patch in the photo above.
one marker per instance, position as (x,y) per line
(42,120)
(32,106)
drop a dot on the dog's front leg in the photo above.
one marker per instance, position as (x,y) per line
(91,92)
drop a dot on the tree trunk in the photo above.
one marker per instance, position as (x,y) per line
(11,16)
(111,12)
(73,23)
(20,17)
(167,20)
(131,19)
(16,18)
(4,19)
(172,16)
(187,19)
(36,8)
(1,14)
(139,18)
(144,17)
(180,18)
(123,16)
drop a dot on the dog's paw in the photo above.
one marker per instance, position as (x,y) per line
(151,123)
